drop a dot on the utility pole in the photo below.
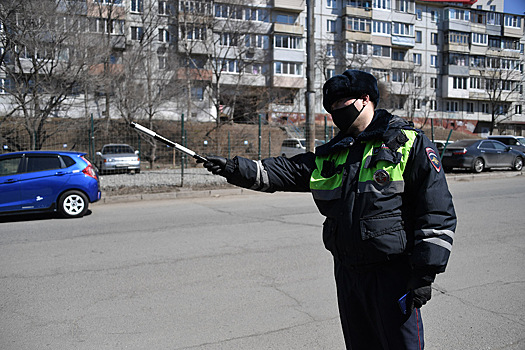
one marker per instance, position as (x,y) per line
(310,77)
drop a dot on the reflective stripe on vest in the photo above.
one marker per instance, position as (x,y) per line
(374,178)
(330,187)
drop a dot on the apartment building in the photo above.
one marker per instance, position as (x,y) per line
(458,63)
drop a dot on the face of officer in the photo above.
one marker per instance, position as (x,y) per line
(352,115)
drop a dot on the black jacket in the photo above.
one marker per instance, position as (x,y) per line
(372,222)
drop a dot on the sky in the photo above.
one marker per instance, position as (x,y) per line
(514,6)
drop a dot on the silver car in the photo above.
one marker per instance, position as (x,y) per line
(117,158)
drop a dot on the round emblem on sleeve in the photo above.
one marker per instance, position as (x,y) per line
(381,176)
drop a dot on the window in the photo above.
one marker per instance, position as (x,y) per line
(257,40)
(417,59)
(330,50)
(457,38)
(228,65)
(477,61)
(418,81)
(403,5)
(137,6)
(330,72)
(417,104)
(193,32)
(359,3)
(197,93)
(512,21)
(284,18)
(459,83)
(382,51)
(330,26)
(357,48)
(9,166)
(495,42)
(398,55)
(163,62)
(399,76)
(287,42)
(165,8)
(433,61)
(164,35)
(433,83)
(434,38)
(457,14)
(42,163)
(476,83)
(137,33)
(288,68)
(517,109)
(381,4)
(470,107)
(331,4)
(262,15)
(419,36)
(419,13)
(358,24)
(381,27)
(452,106)
(4,85)
(403,29)
(479,39)
(457,60)
(434,15)
(433,105)
(228,39)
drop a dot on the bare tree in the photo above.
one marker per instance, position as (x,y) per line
(40,62)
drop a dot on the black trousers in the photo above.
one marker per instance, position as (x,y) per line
(370,313)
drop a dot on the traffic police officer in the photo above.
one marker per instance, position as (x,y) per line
(390,219)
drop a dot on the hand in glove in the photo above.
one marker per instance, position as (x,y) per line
(214,164)
(421,295)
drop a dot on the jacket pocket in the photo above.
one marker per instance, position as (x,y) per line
(329,232)
(385,233)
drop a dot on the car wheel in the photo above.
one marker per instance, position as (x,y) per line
(73,204)
(478,165)
(518,164)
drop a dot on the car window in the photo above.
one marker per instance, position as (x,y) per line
(117,149)
(487,145)
(41,163)
(499,146)
(68,161)
(521,140)
(9,166)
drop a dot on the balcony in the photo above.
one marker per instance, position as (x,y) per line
(290,5)
(288,82)
(404,41)
(194,74)
(288,28)
(358,36)
(358,12)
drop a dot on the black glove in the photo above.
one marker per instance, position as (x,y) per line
(421,295)
(214,164)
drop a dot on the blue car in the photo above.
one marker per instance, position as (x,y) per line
(65,182)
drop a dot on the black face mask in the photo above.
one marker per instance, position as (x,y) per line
(344,117)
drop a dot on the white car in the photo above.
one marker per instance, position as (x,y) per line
(118,158)
(292,147)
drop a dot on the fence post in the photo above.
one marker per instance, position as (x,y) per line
(260,139)
(183,156)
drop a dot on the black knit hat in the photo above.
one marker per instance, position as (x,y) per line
(352,83)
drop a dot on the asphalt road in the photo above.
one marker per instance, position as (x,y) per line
(240,272)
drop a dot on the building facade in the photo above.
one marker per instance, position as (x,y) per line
(459,64)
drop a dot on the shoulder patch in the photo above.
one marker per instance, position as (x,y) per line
(434,158)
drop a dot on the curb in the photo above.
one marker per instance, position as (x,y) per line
(186,194)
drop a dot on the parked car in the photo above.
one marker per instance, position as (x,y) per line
(440,145)
(47,181)
(292,147)
(516,142)
(117,158)
(478,155)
